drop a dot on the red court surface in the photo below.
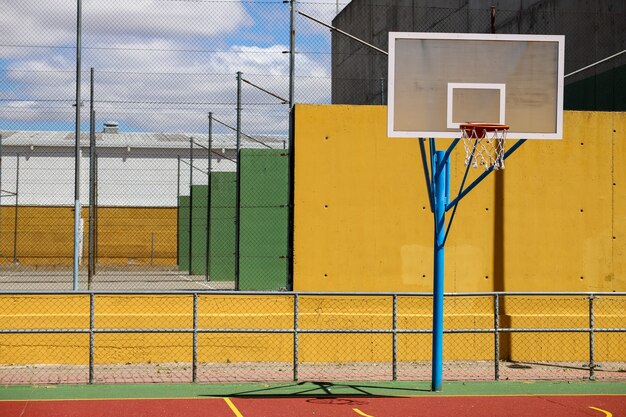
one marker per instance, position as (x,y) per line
(437,406)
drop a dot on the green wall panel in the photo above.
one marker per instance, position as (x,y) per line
(264,219)
(222,249)
(263,248)
(263,223)
(183,233)
(222,244)
(199,195)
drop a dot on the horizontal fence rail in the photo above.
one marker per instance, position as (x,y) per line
(281,336)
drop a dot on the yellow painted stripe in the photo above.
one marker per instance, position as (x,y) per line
(361,413)
(232,407)
(606,413)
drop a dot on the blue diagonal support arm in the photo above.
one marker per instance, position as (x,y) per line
(467,168)
(429,181)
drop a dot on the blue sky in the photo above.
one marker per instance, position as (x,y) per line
(160,64)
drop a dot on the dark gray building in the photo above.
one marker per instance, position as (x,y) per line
(593,29)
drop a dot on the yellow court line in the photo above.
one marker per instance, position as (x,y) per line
(232,407)
(606,413)
(359,412)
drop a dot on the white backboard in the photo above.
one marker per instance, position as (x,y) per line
(440,80)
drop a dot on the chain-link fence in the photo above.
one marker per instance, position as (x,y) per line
(184,151)
(594,31)
(246,336)
(184,161)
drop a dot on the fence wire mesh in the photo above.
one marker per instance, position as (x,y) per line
(160,68)
(242,336)
(593,32)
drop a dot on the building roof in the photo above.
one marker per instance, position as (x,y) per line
(140,140)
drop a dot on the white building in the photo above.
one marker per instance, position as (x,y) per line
(133,169)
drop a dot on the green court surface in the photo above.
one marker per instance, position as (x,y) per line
(307,389)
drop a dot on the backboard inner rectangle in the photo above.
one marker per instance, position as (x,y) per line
(475,103)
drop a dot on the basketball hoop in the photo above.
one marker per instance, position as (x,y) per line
(484,144)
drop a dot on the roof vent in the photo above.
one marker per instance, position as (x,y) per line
(111,127)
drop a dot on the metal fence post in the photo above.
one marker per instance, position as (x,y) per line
(592,364)
(292,52)
(295,337)
(17,205)
(92,320)
(496,336)
(208,202)
(238,182)
(394,355)
(190,205)
(194,360)
(178,209)
(0,190)
(92,179)
(77,205)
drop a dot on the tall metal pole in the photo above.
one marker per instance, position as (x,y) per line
(17,205)
(292,65)
(95,211)
(238,180)
(190,204)
(441,172)
(292,51)
(592,363)
(208,202)
(92,180)
(177,213)
(92,335)
(0,192)
(77,207)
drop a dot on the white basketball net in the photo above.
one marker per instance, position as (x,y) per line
(484,147)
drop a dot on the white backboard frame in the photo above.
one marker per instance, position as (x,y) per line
(392,131)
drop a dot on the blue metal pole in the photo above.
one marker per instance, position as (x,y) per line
(441,172)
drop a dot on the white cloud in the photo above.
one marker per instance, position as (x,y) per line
(37,22)
(160,64)
(165,18)
(176,84)
(53,22)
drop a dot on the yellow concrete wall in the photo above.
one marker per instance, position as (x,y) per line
(362,221)
(276,312)
(45,235)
